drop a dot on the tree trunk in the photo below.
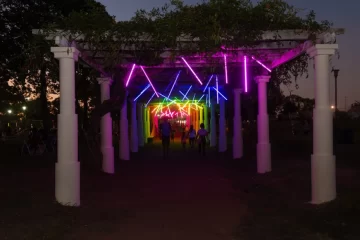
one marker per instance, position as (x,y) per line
(45,113)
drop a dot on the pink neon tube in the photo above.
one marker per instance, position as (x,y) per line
(226,71)
(130,75)
(245,74)
(147,77)
(196,76)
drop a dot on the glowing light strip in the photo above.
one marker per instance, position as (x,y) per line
(194,96)
(174,84)
(187,92)
(142,68)
(226,71)
(263,65)
(245,74)
(208,83)
(185,97)
(152,96)
(168,99)
(142,92)
(220,93)
(209,97)
(130,75)
(197,78)
(201,98)
(217,88)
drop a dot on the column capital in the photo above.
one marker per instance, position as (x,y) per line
(104,80)
(262,78)
(322,49)
(238,90)
(65,52)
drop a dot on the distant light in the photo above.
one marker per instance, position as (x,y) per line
(332,107)
(9,111)
(24,107)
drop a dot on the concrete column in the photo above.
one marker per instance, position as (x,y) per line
(140,123)
(124,149)
(263,148)
(323,167)
(67,168)
(148,122)
(107,148)
(222,127)
(206,117)
(213,124)
(238,147)
(134,128)
(145,123)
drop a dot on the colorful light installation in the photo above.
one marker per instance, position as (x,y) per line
(152,96)
(187,93)
(261,64)
(245,74)
(201,98)
(226,71)
(220,93)
(142,92)
(217,90)
(147,77)
(177,76)
(183,109)
(187,64)
(184,96)
(130,75)
(208,83)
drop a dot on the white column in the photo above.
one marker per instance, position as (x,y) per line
(213,124)
(67,168)
(237,138)
(134,128)
(323,167)
(222,127)
(124,150)
(140,125)
(263,148)
(107,148)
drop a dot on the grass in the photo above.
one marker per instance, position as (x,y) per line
(185,197)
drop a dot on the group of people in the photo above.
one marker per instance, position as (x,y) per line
(199,137)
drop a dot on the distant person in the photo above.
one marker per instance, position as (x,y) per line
(165,132)
(201,137)
(192,135)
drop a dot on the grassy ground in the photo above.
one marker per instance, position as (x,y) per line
(185,197)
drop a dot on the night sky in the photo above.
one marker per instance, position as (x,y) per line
(344,14)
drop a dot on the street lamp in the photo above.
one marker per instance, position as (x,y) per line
(336,74)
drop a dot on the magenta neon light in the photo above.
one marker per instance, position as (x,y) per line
(263,65)
(245,74)
(147,77)
(196,76)
(226,71)
(130,75)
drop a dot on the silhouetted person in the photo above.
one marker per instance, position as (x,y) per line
(201,137)
(192,135)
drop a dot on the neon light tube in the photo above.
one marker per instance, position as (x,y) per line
(245,74)
(165,97)
(187,93)
(142,68)
(217,88)
(201,98)
(130,75)
(220,93)
(184,96)
(194,96)
(226,71)
(263,65)
(209,97)
(152,96)
(197,78)
(142,92)
(174,83)
(208,83)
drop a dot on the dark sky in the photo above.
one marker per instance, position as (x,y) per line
(344,14)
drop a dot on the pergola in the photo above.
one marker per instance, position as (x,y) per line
(155,80)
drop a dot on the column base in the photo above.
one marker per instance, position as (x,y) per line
(67,183)
(108,160)
(263,152)
(222,143)
(323,178)
(238,147)
(124,146)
